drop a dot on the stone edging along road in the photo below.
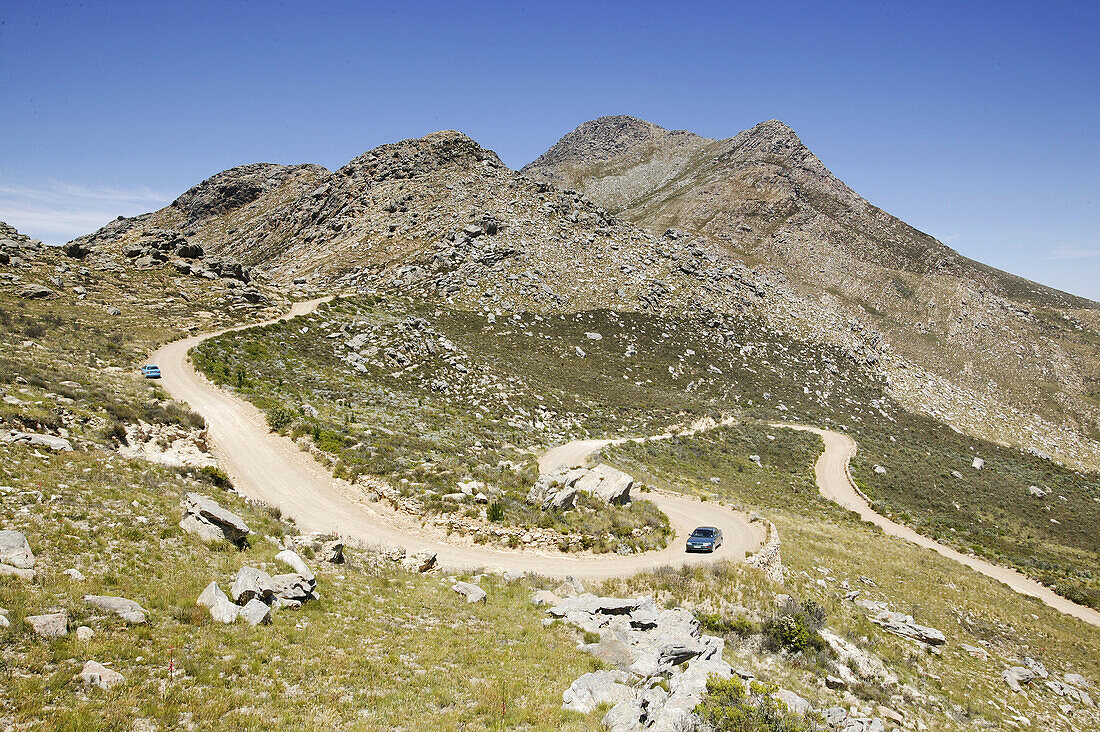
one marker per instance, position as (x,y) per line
(270,468)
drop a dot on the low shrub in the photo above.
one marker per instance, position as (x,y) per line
(727,708)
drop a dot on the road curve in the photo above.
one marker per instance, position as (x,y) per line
(268,467)
(835,483)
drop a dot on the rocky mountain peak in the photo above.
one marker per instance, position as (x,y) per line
(239,186)
(597,141)
(416,157)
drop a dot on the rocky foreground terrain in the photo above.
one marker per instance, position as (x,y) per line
(629,281)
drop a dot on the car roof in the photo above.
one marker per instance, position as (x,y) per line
(704,528)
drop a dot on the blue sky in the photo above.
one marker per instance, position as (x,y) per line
(978,123)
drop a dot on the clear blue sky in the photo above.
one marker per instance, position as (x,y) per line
(978,123)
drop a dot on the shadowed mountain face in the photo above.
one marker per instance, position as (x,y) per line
(759,229)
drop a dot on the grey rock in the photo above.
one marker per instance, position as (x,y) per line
(593,689)
(74,574)
(252,583)
(84,634)
(128,610)
(1017,675)
(422,561)
(211,595)
(544,598)
(96,674)
(49,626)
(795,703)
(472,592)
(1076,680)
(15,550)
(332,552)
(208,520)
(34,439)
(834,716)
(607,483)
(23,574)
(256,612)
(36,292)
(293,587)
(626,716)
(295,562)
(901,624)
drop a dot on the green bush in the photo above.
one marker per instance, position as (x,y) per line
(215,477)
(726,708)
(715,623)
(496,511)
(795,627)
(279,417)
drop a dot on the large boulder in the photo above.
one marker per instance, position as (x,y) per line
(607,483)
(901,624)
(1016,676)
(593,689)
(256,612)
(293,588)
(60,444)
(128,610)
(556,490)
(49,626)
(421,561)
(36,292)
(252,583)
(471,592)
(96,674)
(15,551)
(295,562)
(203,517)
(221,609)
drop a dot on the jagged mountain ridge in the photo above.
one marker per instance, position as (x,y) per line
(443,215)
(753,191)
(763,196)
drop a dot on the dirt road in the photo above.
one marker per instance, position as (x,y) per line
(835,483)
(270,468)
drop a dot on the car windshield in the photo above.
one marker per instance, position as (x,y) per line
(704,533)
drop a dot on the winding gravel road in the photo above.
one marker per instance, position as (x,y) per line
(268,467)
(835,483)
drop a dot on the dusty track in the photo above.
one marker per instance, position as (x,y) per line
(270,468)
(835,483)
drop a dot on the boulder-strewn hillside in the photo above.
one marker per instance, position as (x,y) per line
(953,325)
(442,215)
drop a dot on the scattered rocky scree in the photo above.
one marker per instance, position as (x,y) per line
(660,664)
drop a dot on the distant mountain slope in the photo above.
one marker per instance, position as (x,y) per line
(765,197)
(777,239)
(761,191)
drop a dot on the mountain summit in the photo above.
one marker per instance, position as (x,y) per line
(762,196)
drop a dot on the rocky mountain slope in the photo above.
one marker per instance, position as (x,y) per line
(952,324)
(774,234)
(105,622)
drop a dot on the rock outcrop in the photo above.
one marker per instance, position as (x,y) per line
(206,519)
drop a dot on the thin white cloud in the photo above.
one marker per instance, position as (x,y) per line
(60,211)
(1067,252)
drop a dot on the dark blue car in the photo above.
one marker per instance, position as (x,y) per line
(704,539)
(150,371)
